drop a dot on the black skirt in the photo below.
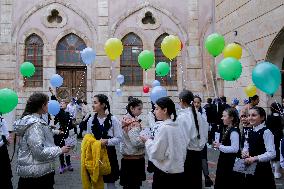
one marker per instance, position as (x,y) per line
(43,182)
(114,175)
(193,169)
(132,172)
(5,168)
(162,180)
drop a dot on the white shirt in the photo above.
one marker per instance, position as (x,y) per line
(235,144)
(268,139)
(186,120)
(3,131)
(114,132)
(167,151)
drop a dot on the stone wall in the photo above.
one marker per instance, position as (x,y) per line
(254,24)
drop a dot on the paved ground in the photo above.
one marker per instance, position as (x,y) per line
(72,180)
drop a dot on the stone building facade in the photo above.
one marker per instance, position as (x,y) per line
(61,28)
(51,24)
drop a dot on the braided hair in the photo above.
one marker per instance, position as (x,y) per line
(187,97)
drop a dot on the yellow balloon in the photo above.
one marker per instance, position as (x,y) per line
(171,46)
(250,90)
(233,50)
(113,48)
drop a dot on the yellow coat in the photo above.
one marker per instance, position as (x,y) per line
(94,163)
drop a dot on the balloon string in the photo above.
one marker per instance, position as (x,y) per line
(146,77)
(170,69)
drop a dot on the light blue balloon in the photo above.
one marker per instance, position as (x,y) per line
(56,80)
(158,92)
(88,55)
(120,79)
(53,107)
(266,77)
(118,92)
(156,83)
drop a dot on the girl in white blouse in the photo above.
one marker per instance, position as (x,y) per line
(106,128)
(167,150)
(229,150)
(261,149)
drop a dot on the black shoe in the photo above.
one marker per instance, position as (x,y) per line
(208,181)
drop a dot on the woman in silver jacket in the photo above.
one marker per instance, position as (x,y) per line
(37,152)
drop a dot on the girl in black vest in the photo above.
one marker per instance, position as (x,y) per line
(229,150)
(261,150)
(106,128)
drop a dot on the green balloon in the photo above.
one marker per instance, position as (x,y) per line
(215,44)
(230,69)
(162,69)
(146,59)
(8,100)
(27,69)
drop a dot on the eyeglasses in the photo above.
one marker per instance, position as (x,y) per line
(243,116)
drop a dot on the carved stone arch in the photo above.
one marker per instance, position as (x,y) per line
(136,31)
(87,41)
(18,25)
(160,32)
(37,32)
(159,9)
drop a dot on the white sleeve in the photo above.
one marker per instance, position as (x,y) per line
(270,153)
(117,133)
(89,125)
(281,156)
(156,149)
(235,144)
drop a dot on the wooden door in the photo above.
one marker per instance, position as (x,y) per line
(74,83)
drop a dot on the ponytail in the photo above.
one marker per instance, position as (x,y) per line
(195,120)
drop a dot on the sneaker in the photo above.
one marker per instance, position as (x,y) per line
(277,175)
(61,169)
(70,168)
(208,182)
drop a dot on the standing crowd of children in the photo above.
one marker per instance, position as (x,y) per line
(175,142)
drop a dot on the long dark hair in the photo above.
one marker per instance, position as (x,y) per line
(132,102)
(35,103)
(187,97)
(233,113)
(200,108)
(166,102)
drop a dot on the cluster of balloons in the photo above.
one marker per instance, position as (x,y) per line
(230,68)
(88,55)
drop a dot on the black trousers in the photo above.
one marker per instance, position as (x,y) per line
(67,158)
(43,182)
(5,169)
(193,169)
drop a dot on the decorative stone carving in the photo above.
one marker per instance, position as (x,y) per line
(148,19)
(54,17)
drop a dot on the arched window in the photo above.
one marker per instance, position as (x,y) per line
(34,54)
(170,79)
(129,67)
(68,51)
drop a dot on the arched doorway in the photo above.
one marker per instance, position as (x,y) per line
(69,65)
(275,55)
